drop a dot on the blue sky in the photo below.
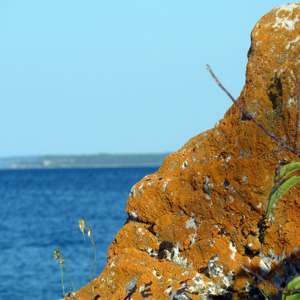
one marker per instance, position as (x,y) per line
(85,77)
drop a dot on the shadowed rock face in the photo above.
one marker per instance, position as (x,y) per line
(194,223)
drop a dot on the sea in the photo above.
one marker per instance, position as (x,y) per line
(40,211)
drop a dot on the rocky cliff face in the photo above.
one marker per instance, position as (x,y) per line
(195,223)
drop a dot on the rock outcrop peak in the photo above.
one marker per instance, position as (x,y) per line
(196,225)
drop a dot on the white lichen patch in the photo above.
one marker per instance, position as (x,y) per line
(165,184)
(184,165)
(244,178)
(217,226)
(216,270)
(205,290)
(147,177)
(293,43)
(195,158)
(134,215)
(140,230)
(287,7)
(275,258)
(176,257)
(151,252)
(198,284)
(281,71)
(228,279)
(207,187)
(248,287)
(131,284)
(258,42)
(141,186)
(286,22)
(133,191)
(265,264)
(192,224)
(290,102)
(154,272)
(233,248)
(169,290)
(112,264)
(213,268)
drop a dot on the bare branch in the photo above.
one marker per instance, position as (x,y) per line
(249,115)
(248,270)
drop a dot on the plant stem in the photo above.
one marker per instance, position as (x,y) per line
(74,289)
(62,279)
(267,282)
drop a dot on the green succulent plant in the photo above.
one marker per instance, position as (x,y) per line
(293,285)
(284,184)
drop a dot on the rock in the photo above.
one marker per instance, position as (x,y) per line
(196,224)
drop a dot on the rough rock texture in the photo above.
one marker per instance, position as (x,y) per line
(194,223)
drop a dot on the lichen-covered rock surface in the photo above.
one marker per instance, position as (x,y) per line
(195,224)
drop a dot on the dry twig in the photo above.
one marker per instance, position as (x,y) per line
(249,115)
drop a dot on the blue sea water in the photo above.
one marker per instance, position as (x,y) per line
(39,212)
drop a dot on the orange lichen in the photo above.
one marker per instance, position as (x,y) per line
(208,199)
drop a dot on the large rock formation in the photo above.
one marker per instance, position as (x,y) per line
(195,223)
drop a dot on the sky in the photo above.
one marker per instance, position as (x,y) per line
(93,76)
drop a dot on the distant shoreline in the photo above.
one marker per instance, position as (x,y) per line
(83,161)
(82,167)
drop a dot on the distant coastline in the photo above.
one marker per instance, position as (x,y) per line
(83,161)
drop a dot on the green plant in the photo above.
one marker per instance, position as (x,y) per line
(61,261)
(283,185)
(292,292)
(83,225)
